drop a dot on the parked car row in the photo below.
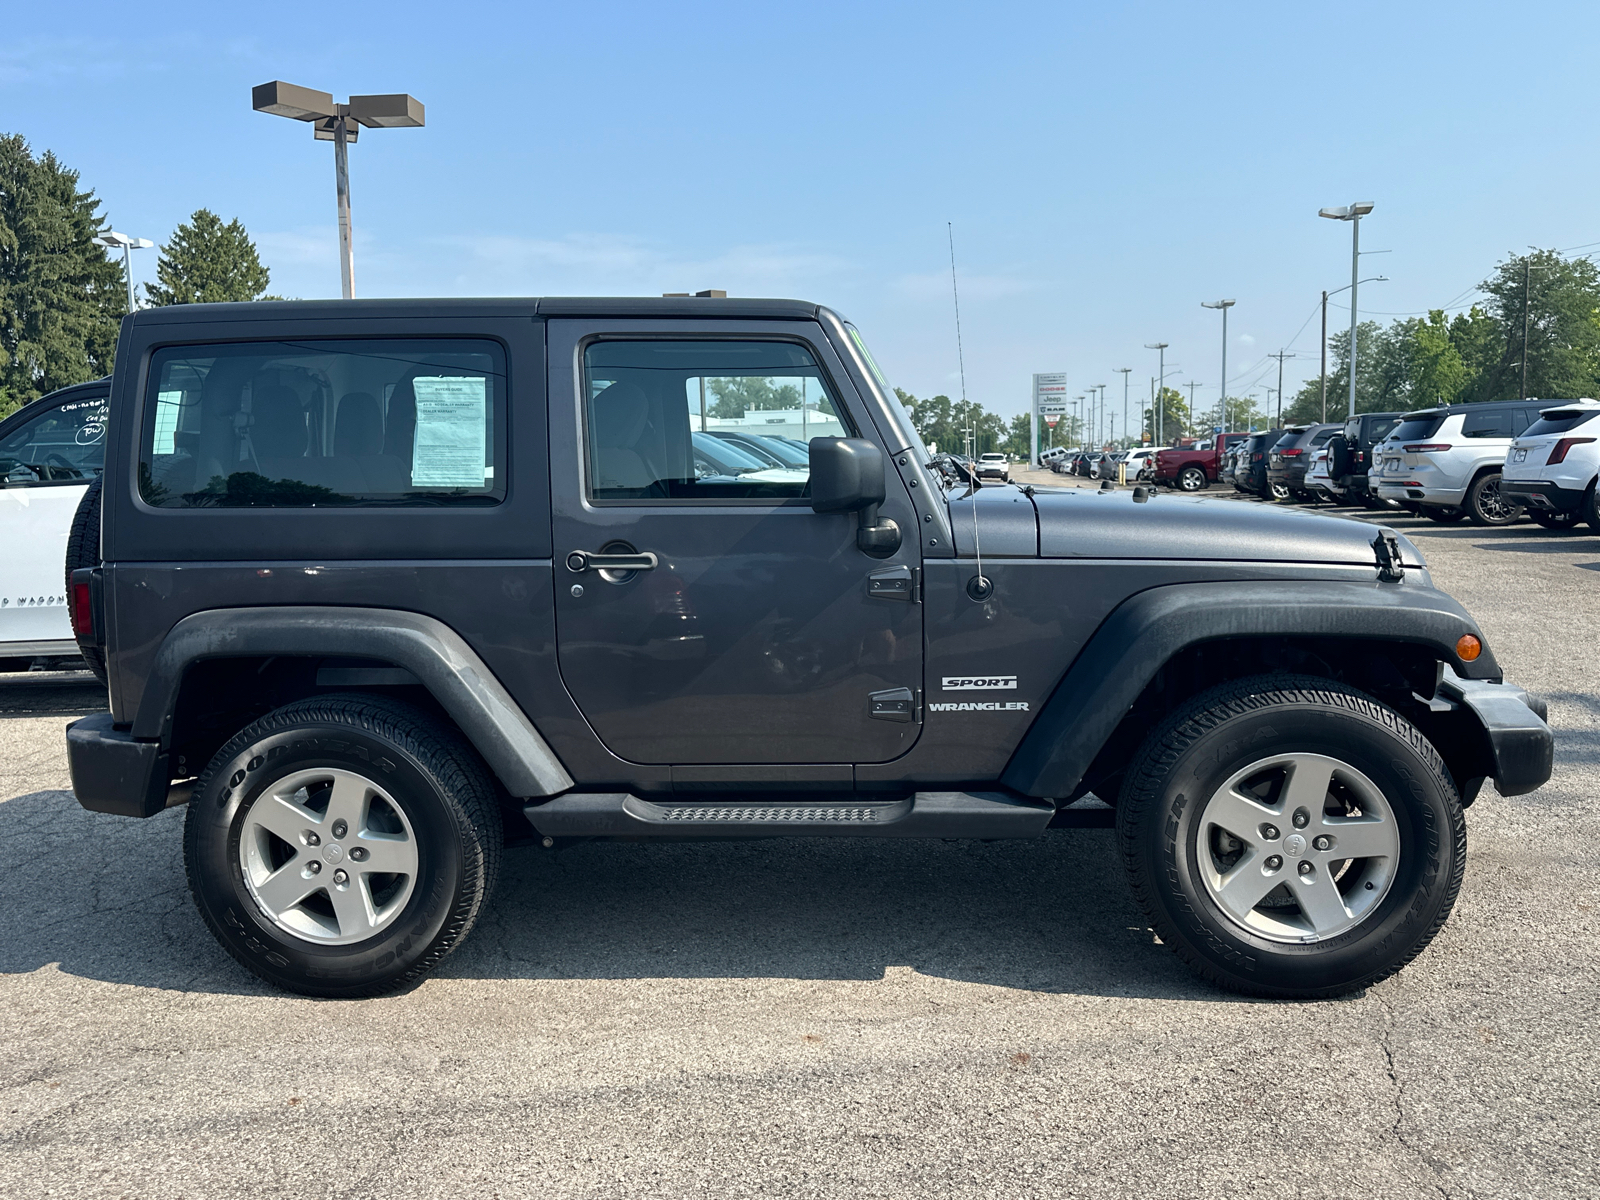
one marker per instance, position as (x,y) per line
(1490,463)
(1136,464)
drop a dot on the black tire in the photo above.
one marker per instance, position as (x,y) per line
(83,550)
(1556,520)
(1443,516)
(1486,503)
(1341,458)
(1201,747)
(423,767)
(1192,479)
(1590,507)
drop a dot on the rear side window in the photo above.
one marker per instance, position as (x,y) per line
(1501,424)
(325,423)
(1417,429)
(1378,428)
(1559,423)
(1321,436)
(703,421)
(66,444)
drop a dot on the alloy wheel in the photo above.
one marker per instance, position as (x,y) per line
(328,856)
(1297,848)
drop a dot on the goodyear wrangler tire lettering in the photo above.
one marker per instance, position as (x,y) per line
(1177,853)
(430,775)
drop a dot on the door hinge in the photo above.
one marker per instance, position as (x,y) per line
(1386,548)
(893,583)
(895,704)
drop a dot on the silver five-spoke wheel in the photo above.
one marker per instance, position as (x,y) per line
(328,856)
(1298,847)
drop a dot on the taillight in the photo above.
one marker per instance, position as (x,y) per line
(1290,453)
(1426,447)
(82,611)
(1559,454)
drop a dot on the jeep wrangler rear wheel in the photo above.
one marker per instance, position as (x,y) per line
(343,845)
(1288,836)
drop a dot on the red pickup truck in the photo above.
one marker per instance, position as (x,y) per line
(1194,470)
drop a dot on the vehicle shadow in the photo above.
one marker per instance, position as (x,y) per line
(50,693)
(105,898)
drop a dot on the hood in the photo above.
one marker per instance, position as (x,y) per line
(1093,523)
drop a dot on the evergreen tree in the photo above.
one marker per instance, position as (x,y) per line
(207,262)
(60,297)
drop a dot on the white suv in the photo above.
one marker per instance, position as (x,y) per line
(1553,466)
(994,466)
(1445,462)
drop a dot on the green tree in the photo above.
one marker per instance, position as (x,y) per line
(738,394)
(1018,438)
(60,297)
(207,262)
(1174,420)
(1560,298)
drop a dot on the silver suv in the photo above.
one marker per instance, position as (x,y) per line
(1445,462)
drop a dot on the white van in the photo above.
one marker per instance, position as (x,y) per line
(50,451)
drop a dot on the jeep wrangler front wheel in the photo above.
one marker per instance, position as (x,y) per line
(342,845)
(1288,836)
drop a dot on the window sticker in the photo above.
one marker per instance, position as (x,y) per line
(167,405)
(451,440)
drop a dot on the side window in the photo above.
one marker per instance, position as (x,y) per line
(1380,428)
(67,444)
(325,423)
(703,421)
(1500,424)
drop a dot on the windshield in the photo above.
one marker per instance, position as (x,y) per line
(907,427)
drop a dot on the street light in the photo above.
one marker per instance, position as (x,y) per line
(1125,372)
(1352,213)
(1325,295)
(1100,420)
(1222,400)
(341,125)
(111,239)
(1158,432)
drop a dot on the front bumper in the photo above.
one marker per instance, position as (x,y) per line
(112,773)
(1542,494)
(1521,744)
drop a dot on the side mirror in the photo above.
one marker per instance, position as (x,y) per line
(847,475)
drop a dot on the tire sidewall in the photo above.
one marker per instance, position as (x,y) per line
(1426,816)
(240,776)
(1475,501)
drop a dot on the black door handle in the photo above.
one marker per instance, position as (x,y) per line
(586,560)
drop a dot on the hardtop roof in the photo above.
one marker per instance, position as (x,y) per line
(534,306)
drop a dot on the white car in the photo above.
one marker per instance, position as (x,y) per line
(50,451)
(1048,458)
(1553,467)
(1446,462)
(994,466)
(1318,481)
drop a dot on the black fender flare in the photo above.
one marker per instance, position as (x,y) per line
(437,655)
(1143,633)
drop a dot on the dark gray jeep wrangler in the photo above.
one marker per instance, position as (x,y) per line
(382,586)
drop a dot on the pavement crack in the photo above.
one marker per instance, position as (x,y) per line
(1397,1129)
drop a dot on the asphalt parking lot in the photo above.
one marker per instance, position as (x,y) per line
(818,1018)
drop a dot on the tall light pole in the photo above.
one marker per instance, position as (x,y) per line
(1101,423)
(341,125)
(1222,400)
(1125,372)
(1325,295)
(1191,385)
(1158,424)
(111,240)
(1352,213)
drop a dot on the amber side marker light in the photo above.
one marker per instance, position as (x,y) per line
(1468,647)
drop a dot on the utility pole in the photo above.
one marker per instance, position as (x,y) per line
(1191,385)
(1280,356)
(1324,354)
(1153,441)
(1527,276)
(1126,371)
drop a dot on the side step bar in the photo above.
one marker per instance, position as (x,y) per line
(926,814)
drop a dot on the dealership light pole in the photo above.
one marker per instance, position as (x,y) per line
(1191,385)
(1100,425)
(1352,213)
(1125,372)
(111,240)
(341,125)
(1158,426)
(1222,401)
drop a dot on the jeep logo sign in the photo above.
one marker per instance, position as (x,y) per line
(980,683)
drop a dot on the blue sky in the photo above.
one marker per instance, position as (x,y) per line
(1105,167)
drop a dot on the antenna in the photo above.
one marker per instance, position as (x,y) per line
(960,358)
